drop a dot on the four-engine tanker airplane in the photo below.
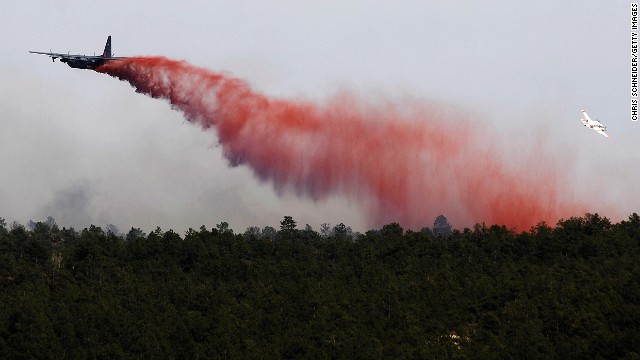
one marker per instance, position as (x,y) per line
(83,61)
(594,124)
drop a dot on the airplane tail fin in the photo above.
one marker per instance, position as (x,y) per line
(107,48)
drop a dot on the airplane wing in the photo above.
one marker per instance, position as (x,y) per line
(584,113)
(76,56)
(53,55)
(64,56)
(601,131)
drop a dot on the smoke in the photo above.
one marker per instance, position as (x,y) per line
(403,161)
(71,206)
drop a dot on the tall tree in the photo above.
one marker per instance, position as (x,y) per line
(441,226)
(288,228)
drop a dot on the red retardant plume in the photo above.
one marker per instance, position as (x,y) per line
(403,162)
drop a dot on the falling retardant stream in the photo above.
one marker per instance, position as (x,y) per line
(402,161)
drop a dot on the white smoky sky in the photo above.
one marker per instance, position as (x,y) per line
(86,149)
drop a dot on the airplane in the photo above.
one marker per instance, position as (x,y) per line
(83,61)
(593,124)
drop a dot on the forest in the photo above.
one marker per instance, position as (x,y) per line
(569,290)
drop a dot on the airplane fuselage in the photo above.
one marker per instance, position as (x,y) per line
(84,63)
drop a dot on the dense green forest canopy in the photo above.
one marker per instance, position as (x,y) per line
(569,290)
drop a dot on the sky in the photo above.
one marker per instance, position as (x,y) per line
(86,149)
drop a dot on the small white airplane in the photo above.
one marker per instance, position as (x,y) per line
(594,124)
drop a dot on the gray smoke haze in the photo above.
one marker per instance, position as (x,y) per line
(71,206)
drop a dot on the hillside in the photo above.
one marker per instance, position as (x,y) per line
(569,290)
